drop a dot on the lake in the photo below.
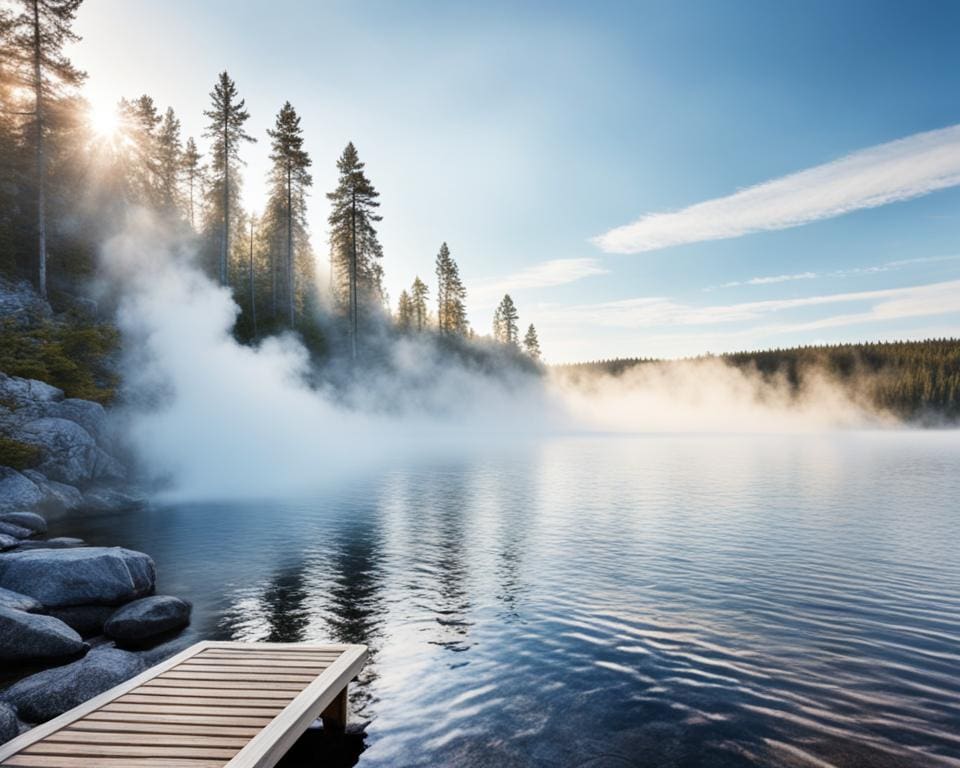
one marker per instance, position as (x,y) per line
(696,600)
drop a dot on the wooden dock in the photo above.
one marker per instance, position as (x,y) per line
(215,705)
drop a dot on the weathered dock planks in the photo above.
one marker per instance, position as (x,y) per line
(215,705)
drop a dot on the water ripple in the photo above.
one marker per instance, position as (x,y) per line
(614,602)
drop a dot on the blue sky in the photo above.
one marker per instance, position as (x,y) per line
(529,135)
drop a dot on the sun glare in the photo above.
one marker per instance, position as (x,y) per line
(104,119)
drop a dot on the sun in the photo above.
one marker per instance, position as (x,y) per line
(104,119)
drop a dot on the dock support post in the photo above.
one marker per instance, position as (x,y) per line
(334,717)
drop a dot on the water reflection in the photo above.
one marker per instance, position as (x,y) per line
(669,601)
(441,560)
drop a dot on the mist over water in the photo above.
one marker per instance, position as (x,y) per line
(212,418)
(215,418)
(667,600)
(685,565)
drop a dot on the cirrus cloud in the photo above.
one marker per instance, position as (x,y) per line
(886,173)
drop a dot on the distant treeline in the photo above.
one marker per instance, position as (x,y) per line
(917,380)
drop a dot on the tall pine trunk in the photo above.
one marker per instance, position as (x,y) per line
(41,169)
(192,224)
(290,283)
(273,281)
(353,275)
(253,298)
(224,247)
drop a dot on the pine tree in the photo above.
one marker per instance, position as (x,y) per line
(252,272)
(355,251)
(11,160)
(227,116)
(192,173)
(498,324)
(169,163)
(531,344)
(451,295)
(508,317)
(405,311)
(138,151)
(419,293)
(38,35)
(289,180)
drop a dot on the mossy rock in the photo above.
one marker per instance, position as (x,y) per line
(18,455)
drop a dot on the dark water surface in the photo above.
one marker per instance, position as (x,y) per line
(688,601)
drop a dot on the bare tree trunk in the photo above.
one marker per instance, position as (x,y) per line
(353,276)
(253,298)
(41,166)
(290,285)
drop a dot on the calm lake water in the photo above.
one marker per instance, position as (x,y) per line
(667,601)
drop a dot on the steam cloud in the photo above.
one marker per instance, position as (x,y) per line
(216,419)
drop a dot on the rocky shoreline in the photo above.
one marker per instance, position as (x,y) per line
(75,620)
(77,468)
(86,616)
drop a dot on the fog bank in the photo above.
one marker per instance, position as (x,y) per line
(210,418)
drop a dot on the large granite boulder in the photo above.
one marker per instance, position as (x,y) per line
(88,414)
(9,726)
(22,393)
(28,520)
(146,618)
(56,497)
(50,693)
(17,602)
(79,576)
(17,492)
(34,636)
(70,454)
(88,620)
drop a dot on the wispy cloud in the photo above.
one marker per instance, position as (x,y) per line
(888,266)
(886,173)
(657,312)
(771,279)
(546,274)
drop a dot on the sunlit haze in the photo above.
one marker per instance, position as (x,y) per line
(644,178)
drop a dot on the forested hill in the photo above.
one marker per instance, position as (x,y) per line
(912,379)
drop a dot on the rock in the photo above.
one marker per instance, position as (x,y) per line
(17,602)
(148,617)
(17,531)
(88,414)
(29,520)
(59,542)
(50,693)
(25,392)
(164,651)
(88,620)
(9,727)
(17,492)
(20,304)
(8,542)
(70,454)
(108,499)
(34,636)
(56,497)
(80,576)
